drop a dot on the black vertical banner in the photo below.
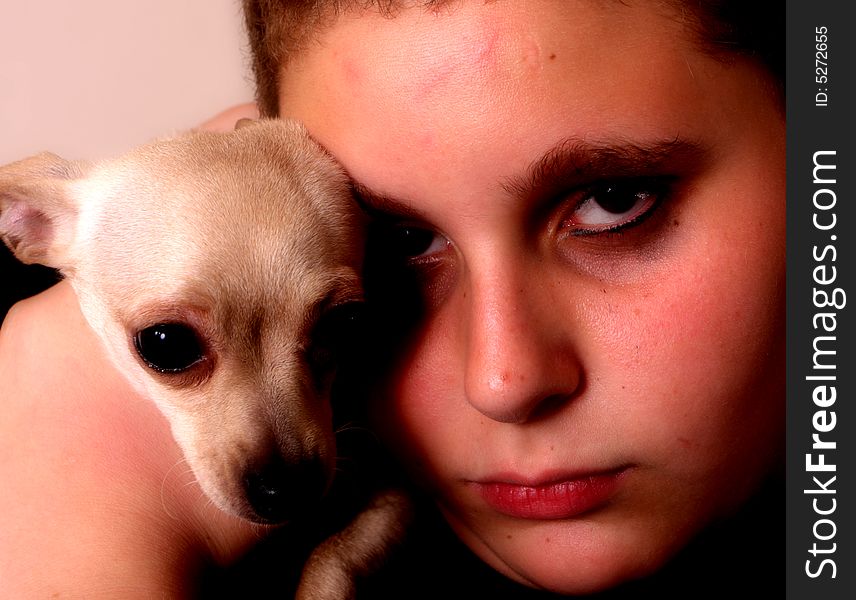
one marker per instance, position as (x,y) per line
(821,107)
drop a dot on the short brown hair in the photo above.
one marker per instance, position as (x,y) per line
(272,27)
(278,28)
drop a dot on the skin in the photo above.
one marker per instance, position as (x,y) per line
(655,351)
(666,361)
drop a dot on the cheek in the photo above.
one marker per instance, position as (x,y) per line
(702,354)
(418,413)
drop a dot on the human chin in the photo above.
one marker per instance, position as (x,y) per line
(573,557)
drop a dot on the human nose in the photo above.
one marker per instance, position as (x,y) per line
(520,362)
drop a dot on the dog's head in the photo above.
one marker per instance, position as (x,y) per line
(219,270)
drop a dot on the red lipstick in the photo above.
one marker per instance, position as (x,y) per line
(558,498)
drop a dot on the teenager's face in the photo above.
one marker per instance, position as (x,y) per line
(594,210)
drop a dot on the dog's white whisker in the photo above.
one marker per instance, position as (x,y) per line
(260,531)
(352,426)
(187,484)
(358,430)
(166,476)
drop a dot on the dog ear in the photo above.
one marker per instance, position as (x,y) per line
(38,213)
(245,122)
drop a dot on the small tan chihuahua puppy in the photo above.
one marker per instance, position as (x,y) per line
(218,270)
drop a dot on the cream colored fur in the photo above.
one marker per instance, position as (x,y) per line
(248,237)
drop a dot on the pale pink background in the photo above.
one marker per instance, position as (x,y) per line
(91,78)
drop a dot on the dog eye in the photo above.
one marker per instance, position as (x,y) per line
(335,333)
(169,347)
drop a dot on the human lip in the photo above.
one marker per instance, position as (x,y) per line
(548,498)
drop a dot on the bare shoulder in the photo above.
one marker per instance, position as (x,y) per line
(53,460)
(48,353)
(32,318)
(95,501)
(75,462)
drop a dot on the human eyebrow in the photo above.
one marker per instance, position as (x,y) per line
(574,162)
(381,205)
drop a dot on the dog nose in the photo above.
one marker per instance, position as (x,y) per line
(278,490)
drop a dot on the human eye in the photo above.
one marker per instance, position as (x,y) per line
(409,267)
(613,205)
(407,243)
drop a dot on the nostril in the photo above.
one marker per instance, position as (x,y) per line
(278,490)
(266,491)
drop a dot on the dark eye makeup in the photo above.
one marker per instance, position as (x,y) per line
(405,241)
(612,206)
(603,209)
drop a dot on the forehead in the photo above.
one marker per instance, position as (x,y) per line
(429,89)
(429,54)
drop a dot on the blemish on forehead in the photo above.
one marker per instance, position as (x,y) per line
(427,141)
(486,49)
(351,73)
(478,52)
